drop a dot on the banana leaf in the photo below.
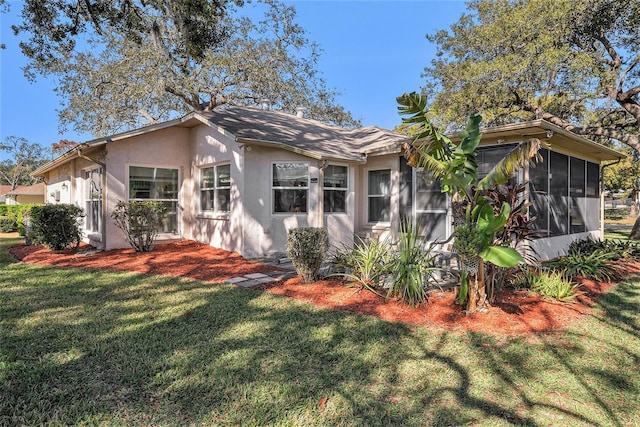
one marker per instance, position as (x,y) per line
(501,256)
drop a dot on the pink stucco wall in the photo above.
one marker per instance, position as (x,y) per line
(166,148)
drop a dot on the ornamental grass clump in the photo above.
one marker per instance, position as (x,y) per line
(598,266)
(367,265)
(413,265)
(553,284)
(307,249)
(140,221)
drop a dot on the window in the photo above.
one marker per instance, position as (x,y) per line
(406,190)
(335,188)
(431,207)
(379,195)
(160,185)
(93,200)
(564,194)
(423,202)
(290,187)
(593,197)
(539,191)
(215,188)
(490,156)
(577,197)
(558,194)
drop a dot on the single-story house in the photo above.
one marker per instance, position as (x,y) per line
(26,194)
(4,189)
(239,178)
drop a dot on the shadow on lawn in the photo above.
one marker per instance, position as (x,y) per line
(95,347)
(621,307)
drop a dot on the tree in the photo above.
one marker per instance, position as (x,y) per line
(575,64)
(124,76)
(62,146)
(56,26)
(623,176)
(25,157)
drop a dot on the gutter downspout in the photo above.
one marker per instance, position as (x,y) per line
(103,183)
(602,168)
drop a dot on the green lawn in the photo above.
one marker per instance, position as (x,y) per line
(80,347)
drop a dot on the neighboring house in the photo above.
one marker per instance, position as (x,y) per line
(239,178)
(26,194)
(4,189)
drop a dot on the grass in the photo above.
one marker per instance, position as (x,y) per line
(82,347)
(619,233)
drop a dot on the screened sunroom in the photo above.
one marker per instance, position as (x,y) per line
(564,187)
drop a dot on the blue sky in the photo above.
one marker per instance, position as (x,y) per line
(373,51)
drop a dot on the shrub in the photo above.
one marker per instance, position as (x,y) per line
(412,264)
(140,221)
(596,266)
(8,224)
(57,226)
(553,284)
(367,264)
(628,249)
(615,249)
(17,213)
(586,246)
(522,276)
(307,249)
(616,213)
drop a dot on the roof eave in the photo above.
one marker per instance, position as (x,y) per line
(557,129)
(74,152)
(381,151)
(312,154)
(609,154)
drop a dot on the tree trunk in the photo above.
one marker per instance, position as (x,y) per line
(635,231)
(472,297)
(477,298)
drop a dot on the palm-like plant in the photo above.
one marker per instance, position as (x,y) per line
(455,164)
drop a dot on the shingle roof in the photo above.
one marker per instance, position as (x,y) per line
(272,128)
(4,189)
(309,136)
(28,190)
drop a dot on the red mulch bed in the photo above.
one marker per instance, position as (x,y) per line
(514,313)
(185,258)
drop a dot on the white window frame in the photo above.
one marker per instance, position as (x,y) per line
(216,208)
(418,211)
(88,196)
(345,190)
(177,231)
(369,196)
(285,188)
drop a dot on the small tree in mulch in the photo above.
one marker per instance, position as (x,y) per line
(307,249)
(140,221)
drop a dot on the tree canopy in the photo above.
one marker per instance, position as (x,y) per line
(575,64)
(24,158)
(623,176)
(123,64)
(56,26)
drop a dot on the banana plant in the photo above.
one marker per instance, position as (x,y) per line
(488,225)
(456,167)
